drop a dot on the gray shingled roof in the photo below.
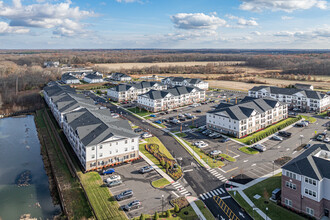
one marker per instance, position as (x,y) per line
(155,94)
(93,76)
(126,87)
(309,165)
(290,91)
(68,76)
(175,91)
(119,75)
(181,79)
(244,109)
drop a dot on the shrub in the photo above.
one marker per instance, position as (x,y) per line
(142,217)
(162,162)
(156,216)
(176,208)
(168,213)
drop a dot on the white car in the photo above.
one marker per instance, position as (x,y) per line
(115,115)
(198,143)
(146,135)
(326,140)
(215,152)
(277,138)
(259,147)
(112,178)
(202,145)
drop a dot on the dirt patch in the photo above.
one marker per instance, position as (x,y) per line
(282,160)
(242,179)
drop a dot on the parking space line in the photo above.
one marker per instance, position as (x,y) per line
(245,161)
(219,191)
(126,200)
(294,152)
(258,171)
(114,192)
(253,165)
(136,209)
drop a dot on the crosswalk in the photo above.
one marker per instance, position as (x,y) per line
(215,173)
(183,191)
(210,194)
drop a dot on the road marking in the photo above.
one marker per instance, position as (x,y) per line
(245,161)
(213,171)
(225,197)
(212,193)
(176,183)
(218,174)
(287,149)
(222,190)
(184,191)
(253,165)
(236,156)
(219,191)
(175,194)
(200,195)
(206,197)
(222,170)
(215,192)
(294,152)
(188,170)
(177,187)
(279,147)
(222,178)
(232,169)
(208,194)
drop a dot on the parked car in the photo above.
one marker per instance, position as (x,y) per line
(276,194)
(224,140)
(158,122)
(171,118)
(320,137)
(132,205)
(200,144)
(202,127)
(114,115)
(259,147)
(174,110)
(108,171)
(153,116)
(326,139)
(301,124)
(162,113)
(216,136)
(112,178)
(114,183)
(137,130)
(213,134)
(146,169)
(307,146)
(191,116)
(198,111)
(215,152)
(124,195)
(284,134)
(277,138)
(181,116)
(182,119)
(187,114)
(146,135)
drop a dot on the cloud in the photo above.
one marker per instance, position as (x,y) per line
(197,21)
(6,29)
(283,5)
(126,1)
(59,16)
(286,18)
(242,22)
(307,35)
(257,33)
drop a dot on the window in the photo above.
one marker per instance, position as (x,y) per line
(132,140)
(93,156)
(125,141)
(288,202)
(126,149)
(116,143)
(116,150)
(101,155)
(101,147)
(291,175)
(290,185)
(310,211)
(110,152)
(310,181)
(310,192)
(93,148)
(132,147)
(132,155)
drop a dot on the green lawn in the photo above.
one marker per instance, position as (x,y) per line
(323,114)
(181,135)
(206,212)
(103,203)
(162,148)
(308,118)
(209,160)
(151,157)
(264,189)
(228,158)
(138,111)
(248,150)
(267,131)
(180,216)
(160,183)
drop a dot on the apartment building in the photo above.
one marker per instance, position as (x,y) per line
(305,100)
(97,139)
(68,78)
(306,182)
(120,77)
(129,92)
(94,77)
(180,81)
(161,100)
(249,116)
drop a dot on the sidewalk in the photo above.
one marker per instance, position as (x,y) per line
(191,151)
(198,212)
(162,173)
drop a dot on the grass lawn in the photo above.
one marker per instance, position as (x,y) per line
(140,112)
(308,118)
(264,189)
(248,150)
(105,206)
(209,160)
(162,148)
(227,157)
(323,114)
(248,139)
(180,216)
(245,205)
(151,157)
(181,135)
(192,127)
(206,212)
(160,183)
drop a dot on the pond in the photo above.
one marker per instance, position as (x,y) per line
(24,187)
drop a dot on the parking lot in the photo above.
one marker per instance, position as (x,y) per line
(150,197)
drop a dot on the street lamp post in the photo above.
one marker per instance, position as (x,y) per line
(301,138)
(162,204)
(273,167)
(266,213)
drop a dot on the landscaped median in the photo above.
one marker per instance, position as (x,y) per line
(228,158)
(309,118)
(206,212)
(255,137)
(139,111)
(160,183)
(264,190)
(248,150)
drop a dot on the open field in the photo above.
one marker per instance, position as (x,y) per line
(118,66)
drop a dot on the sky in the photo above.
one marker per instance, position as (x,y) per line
(168,24)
